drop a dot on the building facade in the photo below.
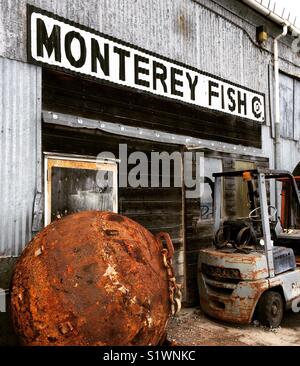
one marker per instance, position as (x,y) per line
(82,77)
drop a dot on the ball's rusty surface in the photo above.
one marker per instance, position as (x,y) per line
(91,278)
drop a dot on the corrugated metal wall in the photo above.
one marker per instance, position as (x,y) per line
(287,106)
(290,119)
(20,87)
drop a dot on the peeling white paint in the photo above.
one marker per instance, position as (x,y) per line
(112,274)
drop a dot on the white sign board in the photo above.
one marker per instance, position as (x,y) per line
(63,44)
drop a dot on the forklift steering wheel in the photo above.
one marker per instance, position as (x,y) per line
(254,216)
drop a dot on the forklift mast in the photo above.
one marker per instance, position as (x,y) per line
(260,175)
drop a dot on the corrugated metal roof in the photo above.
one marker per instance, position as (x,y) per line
(19,118)
(286,9)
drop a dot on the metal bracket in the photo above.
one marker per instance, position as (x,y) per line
(217,204)
(3,294)
(265,223)
(38,209)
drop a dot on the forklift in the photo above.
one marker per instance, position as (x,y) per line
(251,272)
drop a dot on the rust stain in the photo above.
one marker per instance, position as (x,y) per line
(91,278)
(182,23)
(236,306)
(250,267)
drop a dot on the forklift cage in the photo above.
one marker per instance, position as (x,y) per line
(260,175)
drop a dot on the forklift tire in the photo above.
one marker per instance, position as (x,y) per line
(270,309)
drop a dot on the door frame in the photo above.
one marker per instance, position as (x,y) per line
(52,160)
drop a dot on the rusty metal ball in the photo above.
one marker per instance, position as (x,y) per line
(91,278)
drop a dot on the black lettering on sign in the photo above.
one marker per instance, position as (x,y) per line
(242,102)
(231,94)
(162,76)
(98,57)
(222,97)
(59,43)
(140,70)
(51,43)
(122,55)
(69,38)
(192,85)
(176,82)
(256,107)
(211,92)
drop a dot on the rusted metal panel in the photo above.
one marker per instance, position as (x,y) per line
(230,288)
(20,116)
(252,266)
(236,305)
(230,284)
(289,282)
(61,198)
(91,278)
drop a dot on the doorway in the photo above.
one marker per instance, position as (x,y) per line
(74,184)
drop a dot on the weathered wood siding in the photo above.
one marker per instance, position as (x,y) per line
(77,96)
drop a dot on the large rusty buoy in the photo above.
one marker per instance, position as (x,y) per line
(91,278)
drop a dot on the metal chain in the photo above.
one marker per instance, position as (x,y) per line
(167,252)
(175,294)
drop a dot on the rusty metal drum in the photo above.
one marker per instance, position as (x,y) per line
(91,278)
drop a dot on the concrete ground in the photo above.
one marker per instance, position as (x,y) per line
(192,328)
